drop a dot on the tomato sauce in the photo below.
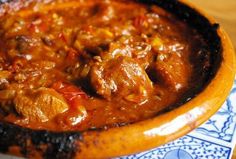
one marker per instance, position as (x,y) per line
(79,65)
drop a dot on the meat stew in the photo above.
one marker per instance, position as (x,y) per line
(96,64)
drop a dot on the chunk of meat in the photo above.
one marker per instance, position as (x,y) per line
(121,77)
(130,47)
(93,40)
(28,47)
(40,105)
(170,70)
(23,46)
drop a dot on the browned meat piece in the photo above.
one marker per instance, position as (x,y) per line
(121,77)
(93,40)
(41,105)
(130,47)
(170,70)
(28,48)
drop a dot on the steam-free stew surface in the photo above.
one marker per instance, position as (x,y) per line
(82,65)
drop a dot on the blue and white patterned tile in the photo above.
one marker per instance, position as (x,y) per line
(223,124)
(187,147)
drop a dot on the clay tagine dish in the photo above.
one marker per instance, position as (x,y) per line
(107,78)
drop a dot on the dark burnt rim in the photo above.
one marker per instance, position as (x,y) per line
(47,144)
(64,144)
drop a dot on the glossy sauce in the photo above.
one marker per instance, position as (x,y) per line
(95,64)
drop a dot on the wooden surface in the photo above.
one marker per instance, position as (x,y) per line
(224,11)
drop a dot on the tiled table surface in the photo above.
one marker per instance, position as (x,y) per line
(224,11)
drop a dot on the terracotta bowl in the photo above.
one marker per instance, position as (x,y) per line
(144,135)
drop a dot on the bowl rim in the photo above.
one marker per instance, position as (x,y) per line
(168,126)
(142,135)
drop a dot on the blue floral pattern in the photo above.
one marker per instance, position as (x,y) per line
(222,125)
(187,147)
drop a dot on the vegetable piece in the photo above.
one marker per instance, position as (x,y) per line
(73,95)
(140,22)
(157,44)
(72,54)
(39,25)
(67,35)
(40,105)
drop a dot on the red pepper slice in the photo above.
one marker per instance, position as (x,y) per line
(71,93)
(72,54)
(62,37)
(140,21)
(33,28)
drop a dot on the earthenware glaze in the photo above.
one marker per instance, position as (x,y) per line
(144,135)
